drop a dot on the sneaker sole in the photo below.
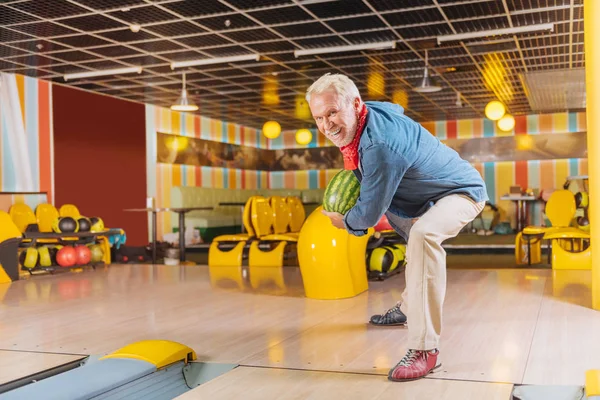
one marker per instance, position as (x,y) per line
(398,324)
(415,379)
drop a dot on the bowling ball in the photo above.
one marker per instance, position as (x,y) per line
(45,256)
(383,224)
(382,259)
(83,254)
(66,257)
(583,223)
(400,250)
(84,224)
(96,253)
(29,258)
(97,224)
(65,225)
(582,199)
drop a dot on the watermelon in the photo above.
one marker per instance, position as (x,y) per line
(342,192)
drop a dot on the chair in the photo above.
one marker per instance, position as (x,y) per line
(570,245)
(69,210)
(298,213)
(559,210)
(46,214)
(22,215)
(233,257)
(263,221)
(282,216)
(570,250)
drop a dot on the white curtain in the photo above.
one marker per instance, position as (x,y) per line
(13,129)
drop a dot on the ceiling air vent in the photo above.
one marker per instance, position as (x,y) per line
(557,90)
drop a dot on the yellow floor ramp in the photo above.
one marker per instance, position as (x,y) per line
(150,369)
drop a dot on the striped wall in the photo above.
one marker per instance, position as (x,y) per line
(26,140)
(302,180)
(162,177)
(498,176)
(524,125)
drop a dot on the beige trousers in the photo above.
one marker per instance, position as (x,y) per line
(425,274)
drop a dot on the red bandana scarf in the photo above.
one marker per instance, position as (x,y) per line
(350,151)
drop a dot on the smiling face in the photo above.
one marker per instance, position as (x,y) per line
(336,117)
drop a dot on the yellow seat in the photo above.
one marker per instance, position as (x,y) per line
(332,261)
(46,214)
(10,237)
(298,213)
(570,247)
(282,216)
(560,209)
(69,210)
(22,215)
(217,256)
(263,221)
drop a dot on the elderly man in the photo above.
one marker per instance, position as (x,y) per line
(405,173)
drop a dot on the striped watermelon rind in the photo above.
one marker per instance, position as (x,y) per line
(342,192)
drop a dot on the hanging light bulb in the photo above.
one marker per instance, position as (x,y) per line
(271,129)
(183,104)
(506,123)
(303,136)
(494,110)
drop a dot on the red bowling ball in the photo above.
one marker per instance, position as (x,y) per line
(83,254)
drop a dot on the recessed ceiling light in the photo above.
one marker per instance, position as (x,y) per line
(135,27)
(125,9)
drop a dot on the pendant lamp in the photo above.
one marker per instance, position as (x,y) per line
(426,85)
(183,104)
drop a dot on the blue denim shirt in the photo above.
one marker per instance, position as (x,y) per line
(404,169)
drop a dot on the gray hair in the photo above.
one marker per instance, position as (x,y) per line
(338,82)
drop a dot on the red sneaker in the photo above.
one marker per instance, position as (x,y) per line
(415,365)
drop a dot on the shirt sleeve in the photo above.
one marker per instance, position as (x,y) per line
(382,171)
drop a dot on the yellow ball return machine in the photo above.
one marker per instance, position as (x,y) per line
(149,369)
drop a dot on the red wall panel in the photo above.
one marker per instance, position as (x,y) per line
(100,158)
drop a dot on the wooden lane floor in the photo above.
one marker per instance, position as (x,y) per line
(489,323)
(566,334)
(252,383)
(500,326)
(15,365)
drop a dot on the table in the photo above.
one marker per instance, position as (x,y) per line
(179,210)
(521,204)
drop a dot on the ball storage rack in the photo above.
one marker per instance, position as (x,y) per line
(50,239)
